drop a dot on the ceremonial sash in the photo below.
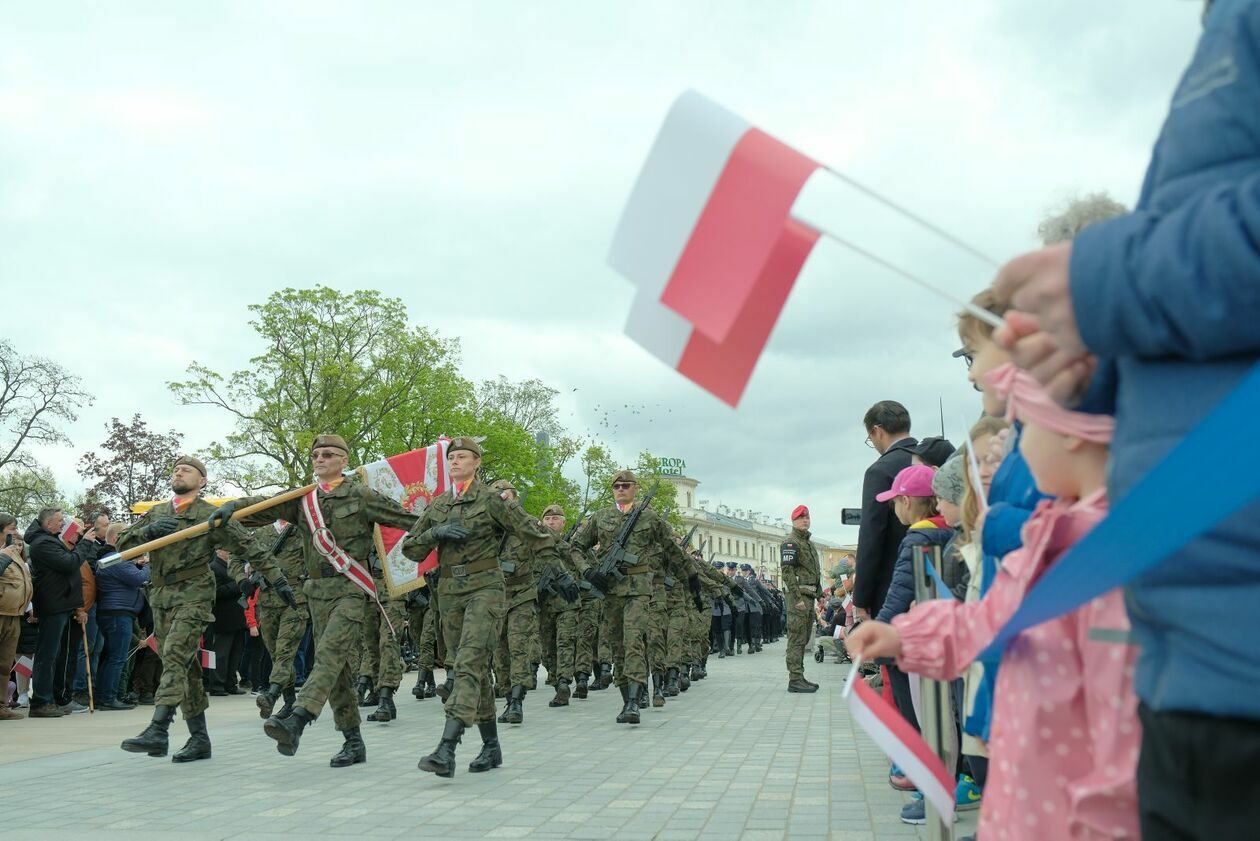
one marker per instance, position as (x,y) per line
(326,545)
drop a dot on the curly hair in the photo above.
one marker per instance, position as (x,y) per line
(1077,215)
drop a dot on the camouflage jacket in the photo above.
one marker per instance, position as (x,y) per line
(350,510)
(261,547)
(180,573)
(555,603)
(651,541)
(490,519)
(799,566)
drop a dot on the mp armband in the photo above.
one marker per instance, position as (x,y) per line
(787,554)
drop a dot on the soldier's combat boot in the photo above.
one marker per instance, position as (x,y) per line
(726,644)
(444,691)
(491,755)
(198,744)
(658,687)
(386,711)
(153,739)
(361,689)
(605,675)
(562,694)
(515,710)
(798,684)
(671,683)
(580,690)
(739,646)
(418,689)
(288,731)
(442,760)
(290,695)
(266,699)
(352,752)
(630,712)
(684,678)
(533,676)
(430,686)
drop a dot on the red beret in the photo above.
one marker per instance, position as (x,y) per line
(800,511)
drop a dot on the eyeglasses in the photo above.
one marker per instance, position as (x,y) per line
(325,454)
(621,486)
(869,441)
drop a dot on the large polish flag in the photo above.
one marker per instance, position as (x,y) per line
(904,746)
(412,479)
(707,239)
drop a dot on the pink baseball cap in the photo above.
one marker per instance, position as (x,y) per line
(915,480)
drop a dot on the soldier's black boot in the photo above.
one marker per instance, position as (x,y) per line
(726,644)
(515,713)
(562,694)
(491,755)
(430,686)
(418,689)
(580,690)
(444,691)
(290,695)
(533,676)
(153,739)
(605,675)
(266,700)
(288,731)
(684,678)
(386,711)
(198,744)
(352,752)
(630,712)
(671,683)
(658,690)
(361,689)
(442,760)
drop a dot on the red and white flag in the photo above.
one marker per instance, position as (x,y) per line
(904,746)
(412,479)
(707,239)
(69,532)
(151,642)
(208,659)
(24,666)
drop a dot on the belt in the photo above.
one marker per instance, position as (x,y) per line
(638,568)
(519,580)
(184,575)
(323,571)
(464,570)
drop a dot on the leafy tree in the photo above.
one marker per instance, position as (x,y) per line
(37,396)
(598,469)
(137,466)
(332,362)
(25,490)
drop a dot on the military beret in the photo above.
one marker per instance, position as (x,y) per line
(503,485)
(731,565)
(193,462)
(717,564)
(334,441)
(625,476)
(464,443)
(799,511)
(553,511)
(948,483)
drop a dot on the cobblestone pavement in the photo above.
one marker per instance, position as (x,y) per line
(734,757)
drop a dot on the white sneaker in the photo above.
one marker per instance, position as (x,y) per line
(23,700)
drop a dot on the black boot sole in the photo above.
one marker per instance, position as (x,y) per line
(434,768)
(183,757)
(358,760)
(265,705)
(497,762)
(162,751)
(285,743)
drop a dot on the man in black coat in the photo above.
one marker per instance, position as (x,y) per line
(58,593)
(880,533)
(228,630)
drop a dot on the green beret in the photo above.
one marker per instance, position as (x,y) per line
(334,441)
(625,476)
(464,443)
(193,462)
(553,511)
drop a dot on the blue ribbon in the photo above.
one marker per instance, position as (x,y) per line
(1188,494)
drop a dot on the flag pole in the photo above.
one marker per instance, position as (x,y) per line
(201,528)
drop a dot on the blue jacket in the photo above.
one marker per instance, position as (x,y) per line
(1168,297)
(118,587)
(901,590)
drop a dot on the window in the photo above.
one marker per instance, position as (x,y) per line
(688,499)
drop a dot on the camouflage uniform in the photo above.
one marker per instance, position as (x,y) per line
(520,626)
(470,586)
(181,594)
(337,605)
(800,570)
(381,657)
(558,625)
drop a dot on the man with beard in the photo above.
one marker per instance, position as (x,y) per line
(181,595)
(335,524)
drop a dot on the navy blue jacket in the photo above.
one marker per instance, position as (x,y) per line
(119,588)
(901,590)
(1168,297)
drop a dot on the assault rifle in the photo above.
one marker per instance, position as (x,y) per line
(617,557)
(283,539)
(549,584)
(687,540)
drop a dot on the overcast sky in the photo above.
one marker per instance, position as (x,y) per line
(163,166)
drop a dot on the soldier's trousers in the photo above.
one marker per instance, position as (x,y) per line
(415,627)
(629,618)
(799,625)
(678,634)
(561,628)
(603,639)
(471,624)
(178,633)
(281,628)
(519,629)
(587,635)
(658,654)
(547,634)
(382,657)
(699,636)
(337,631)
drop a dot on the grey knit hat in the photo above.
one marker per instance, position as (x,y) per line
(949,481)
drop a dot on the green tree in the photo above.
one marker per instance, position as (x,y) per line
(339,362)
(134,465)
(598,469)
(25,490)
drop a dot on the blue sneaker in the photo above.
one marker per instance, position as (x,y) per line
(915,813)
(967,794)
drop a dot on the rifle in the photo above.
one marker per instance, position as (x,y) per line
(568,537)
(687,540)
(617,557)
(283,539)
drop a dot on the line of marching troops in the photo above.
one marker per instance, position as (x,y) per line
(509,593)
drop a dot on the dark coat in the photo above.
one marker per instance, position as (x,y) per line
(901,588)
(228,613)
(880,533)
(55,570)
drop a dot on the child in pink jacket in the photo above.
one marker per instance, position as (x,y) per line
(1064,744)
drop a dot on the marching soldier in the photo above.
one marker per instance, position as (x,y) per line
(335,523)
(280,626)
(558,619)
(381,658)
(467,525)
(421,621)
(181,595)
(799,562)
(752,626)
(520,624)
(739,607)
(627,603)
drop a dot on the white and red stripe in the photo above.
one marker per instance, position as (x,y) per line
(69,532)
(326,544)
(24,666)
(208,660)
(904,746)
(412,479)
